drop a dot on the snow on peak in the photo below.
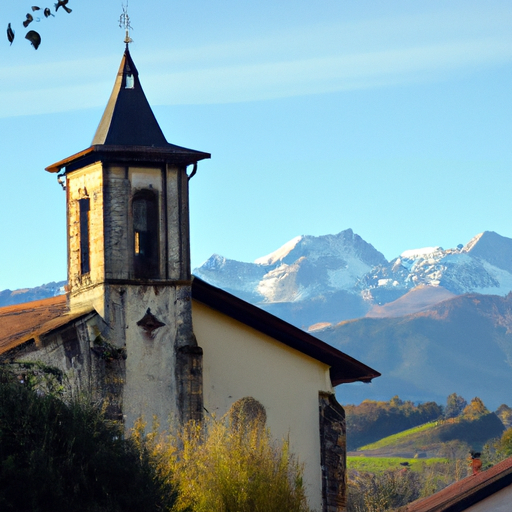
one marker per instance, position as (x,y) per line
(419,253)
(473,242)
(280,254)
(214,262)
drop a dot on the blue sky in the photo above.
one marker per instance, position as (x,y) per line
(391,118)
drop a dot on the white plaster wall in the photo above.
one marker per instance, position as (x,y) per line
(150,388)
(239,361)
(146,178)
(498,502)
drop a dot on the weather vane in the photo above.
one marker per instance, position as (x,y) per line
(124,22)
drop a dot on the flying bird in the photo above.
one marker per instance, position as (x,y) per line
(10,33)
(47,13)
(62,3)
(35,8)
(28,21)
(34,38)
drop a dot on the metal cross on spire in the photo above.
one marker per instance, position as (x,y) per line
(124,22)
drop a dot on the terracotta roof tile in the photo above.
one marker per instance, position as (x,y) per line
(17,323)
(466,492)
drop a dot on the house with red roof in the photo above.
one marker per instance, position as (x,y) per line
(485,491)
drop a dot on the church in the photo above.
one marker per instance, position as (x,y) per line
(143,336)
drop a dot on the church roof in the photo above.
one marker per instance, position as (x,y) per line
(128,130)
(343,367)
(26,322)
(23,322)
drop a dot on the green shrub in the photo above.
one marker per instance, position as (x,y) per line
(227,466)
(382,492)
(59,457)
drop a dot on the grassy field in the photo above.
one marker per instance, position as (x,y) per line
(381,464)
(399,438)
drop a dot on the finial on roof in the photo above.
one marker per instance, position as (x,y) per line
(124,22)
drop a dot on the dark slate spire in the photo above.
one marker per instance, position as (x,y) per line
(128,119)
(128,130)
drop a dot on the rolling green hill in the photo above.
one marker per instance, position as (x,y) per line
(436,439)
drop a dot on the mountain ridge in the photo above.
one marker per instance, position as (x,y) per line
(302,279)
(463,345)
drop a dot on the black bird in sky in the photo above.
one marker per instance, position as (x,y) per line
(47,13)
(35,8)
(10,33)
(34,38)
(62,3)
(28,21)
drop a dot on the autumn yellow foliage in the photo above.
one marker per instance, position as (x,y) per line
(226,466)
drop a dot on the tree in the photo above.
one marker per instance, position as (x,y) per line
(430,411)
(504,413)
(476,409)
(498,449)
(396,401)
(59,457)
(455,404)
(506,443)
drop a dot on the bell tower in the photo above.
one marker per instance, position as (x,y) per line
(129,251)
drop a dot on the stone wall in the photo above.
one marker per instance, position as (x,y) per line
(333,453)
(91,368)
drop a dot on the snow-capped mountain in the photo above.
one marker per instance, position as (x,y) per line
(302,268)
(307,273)
(337,277)
(10,297)
(483,265)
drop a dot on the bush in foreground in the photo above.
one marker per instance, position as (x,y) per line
(228,466)
(59,457)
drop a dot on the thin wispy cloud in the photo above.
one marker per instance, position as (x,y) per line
(298,61)
(324,74)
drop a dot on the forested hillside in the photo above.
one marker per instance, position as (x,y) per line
(471,423)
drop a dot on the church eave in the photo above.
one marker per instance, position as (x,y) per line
(343,368)
(126,154)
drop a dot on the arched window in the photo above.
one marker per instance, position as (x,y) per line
(145,234)
(247,413)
